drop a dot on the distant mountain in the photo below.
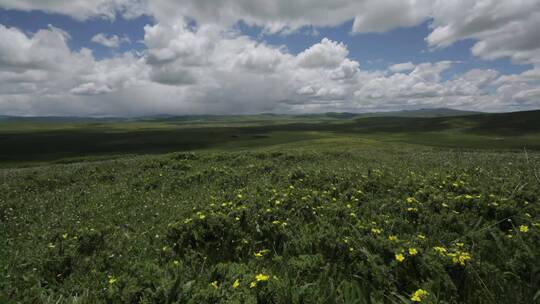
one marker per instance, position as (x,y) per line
(423,113)
(420,113)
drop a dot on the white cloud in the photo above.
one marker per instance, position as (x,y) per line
(327,53)
(212,68)
(82,9)
(110,41)
(501,28)
(402,67)
(91,88)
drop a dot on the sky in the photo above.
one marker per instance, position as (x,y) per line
(148,57)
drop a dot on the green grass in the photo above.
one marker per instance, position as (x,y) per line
(30,142)
(302,212)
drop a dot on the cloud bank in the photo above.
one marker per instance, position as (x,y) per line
(213,68)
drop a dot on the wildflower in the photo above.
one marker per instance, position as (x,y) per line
(262,277)
(112,280)
(236,284)
(392,238)
(260,253)
(176,263)
(252,284)
(419,295)
(400,258)
(524,228)
(440,250)
(460,257)
(411,200)
(412,209)
(413,251)
(376,231)
(215,284)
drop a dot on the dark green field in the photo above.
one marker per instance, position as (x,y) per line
(31,141)
(333,208)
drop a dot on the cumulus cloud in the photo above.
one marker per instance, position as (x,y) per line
(110,41)
(327,53)
(82,9)
(501,28)
(208,66)
(401,67)
(40,66)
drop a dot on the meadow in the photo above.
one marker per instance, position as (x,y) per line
(274,210)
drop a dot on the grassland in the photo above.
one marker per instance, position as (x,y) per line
(35,141)
(300,210)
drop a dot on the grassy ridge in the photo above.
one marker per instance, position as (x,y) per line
(310,224)
(26,142)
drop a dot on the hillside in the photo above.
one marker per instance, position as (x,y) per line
(334,222)
(48,141)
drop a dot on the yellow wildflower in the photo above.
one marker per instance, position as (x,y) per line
(252,284)
(419,295)
(262,277)
(236,283)
(112,280)
(376,231)
(260,253)
(411,200)
(524,228)
(440,250)
(400,258)
(392,238)
(460,257)
(413,251)
(215,284)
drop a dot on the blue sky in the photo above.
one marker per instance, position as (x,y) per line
(321,56)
